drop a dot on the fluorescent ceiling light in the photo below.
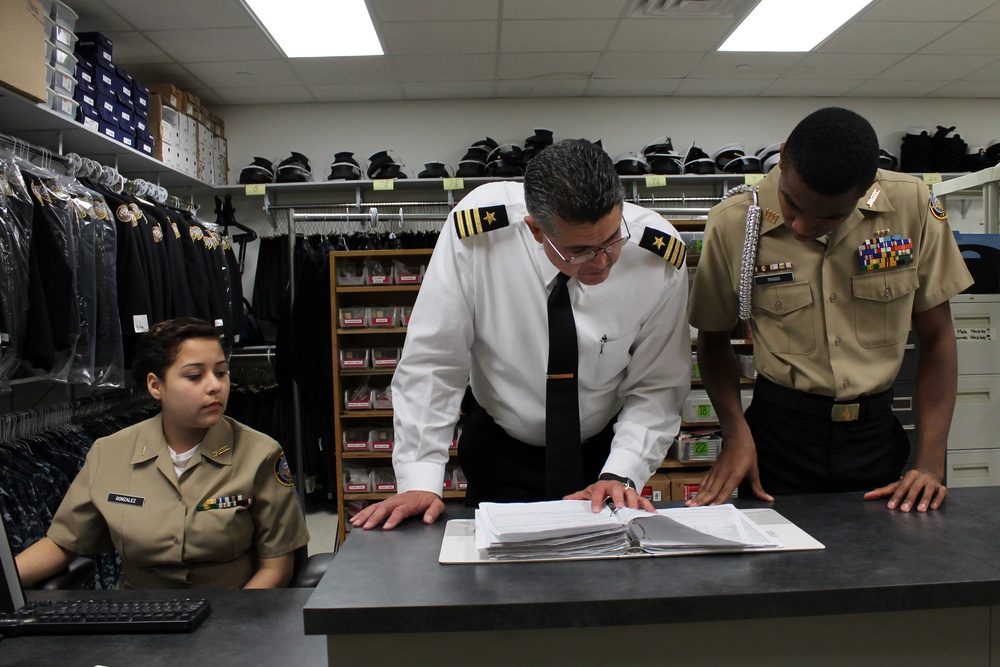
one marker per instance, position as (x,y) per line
(791,25)
(318,28)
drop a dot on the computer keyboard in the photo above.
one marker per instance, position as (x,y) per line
(109,616)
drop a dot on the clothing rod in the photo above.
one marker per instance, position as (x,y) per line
(657,200)
(387,217)
(20,144)
(381,205)
(682,211)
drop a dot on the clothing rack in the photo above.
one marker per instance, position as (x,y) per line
(77,166)
(34,421)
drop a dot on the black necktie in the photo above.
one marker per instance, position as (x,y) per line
(563,459)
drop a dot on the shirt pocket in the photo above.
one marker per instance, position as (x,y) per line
(784,318)
(602,362)
(883,306)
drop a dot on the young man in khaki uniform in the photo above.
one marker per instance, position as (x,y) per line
(847,258)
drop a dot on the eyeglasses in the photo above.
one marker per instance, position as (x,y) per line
(589,256)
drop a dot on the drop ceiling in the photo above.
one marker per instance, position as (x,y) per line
(462,49)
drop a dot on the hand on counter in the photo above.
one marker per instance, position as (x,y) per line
(917,489)
(393,510)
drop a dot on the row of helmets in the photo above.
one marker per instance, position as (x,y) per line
(484,157)
(659,157)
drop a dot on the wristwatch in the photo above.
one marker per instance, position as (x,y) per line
(608,476)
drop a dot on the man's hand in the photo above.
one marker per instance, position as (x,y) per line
(737,461)
(393,510)
(621,495)
(917,488)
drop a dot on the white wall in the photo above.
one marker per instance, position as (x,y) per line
(421,131)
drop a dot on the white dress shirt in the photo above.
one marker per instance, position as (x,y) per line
(481,318)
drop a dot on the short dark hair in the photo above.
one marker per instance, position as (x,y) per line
(156,349)
(833,150)
(573,180)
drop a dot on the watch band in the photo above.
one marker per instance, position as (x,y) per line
(608,476)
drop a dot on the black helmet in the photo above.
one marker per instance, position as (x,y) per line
(260,170)
(344,167)
(294,169)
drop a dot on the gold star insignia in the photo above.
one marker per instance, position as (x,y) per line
(491,217)
(658,242)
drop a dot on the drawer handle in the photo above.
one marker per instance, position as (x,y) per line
(974,471)
(909,427)
(905,401)
(973,396)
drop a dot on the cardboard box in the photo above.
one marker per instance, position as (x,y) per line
(170,95)
(22,48)
(657,488)
(684,485)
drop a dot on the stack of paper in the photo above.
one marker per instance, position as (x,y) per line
(570,529)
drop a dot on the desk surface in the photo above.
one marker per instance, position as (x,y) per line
(245,628)
(875,560)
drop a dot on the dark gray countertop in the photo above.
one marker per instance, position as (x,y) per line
(875,560)
(245,628)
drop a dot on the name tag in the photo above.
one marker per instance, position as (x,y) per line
(772,278)
(126,500)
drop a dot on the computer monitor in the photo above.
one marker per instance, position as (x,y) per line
(11,592)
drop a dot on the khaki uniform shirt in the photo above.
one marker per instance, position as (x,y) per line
(831,327)
(128,497)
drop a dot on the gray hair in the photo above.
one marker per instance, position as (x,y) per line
(573,180)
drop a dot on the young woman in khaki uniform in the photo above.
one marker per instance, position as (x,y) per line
(189,498)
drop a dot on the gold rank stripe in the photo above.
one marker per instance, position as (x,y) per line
(668,247)
(473,221)
(675,252)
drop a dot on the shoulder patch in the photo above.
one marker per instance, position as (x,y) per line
(474,221)
(281,471)
(937,208)
(666,246)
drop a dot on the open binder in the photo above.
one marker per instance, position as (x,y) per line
(569,530)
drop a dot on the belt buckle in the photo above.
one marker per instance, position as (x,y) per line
(845,412)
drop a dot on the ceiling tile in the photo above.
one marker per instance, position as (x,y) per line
(335,71)
(356,92)
(554,36)
(968,38)
(677,35)
(178,75)
(897,88)
(95,15)
(885,36)
(450,37)
(523,66)
(841,66)
(719,88)
(267,95)
(632,87)
(745,65)
(942,68)
(542,88)
(218,44)
(811,87)
(133,47)
(178,14)
(472,67)
(991,13)
(974,89)
(559,9)
(990,72)
(652,65)
(433,90)
(925,10)
(435,10)
(249,74)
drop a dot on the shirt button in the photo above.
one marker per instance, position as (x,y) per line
(845,384)
(175,540)
(777,305)
(888,292)
(833,297)
(836,341)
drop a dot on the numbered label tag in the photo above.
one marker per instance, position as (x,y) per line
(383,184)
(453,183)
(699,448)
(704,410)
(931,179)
(753,179)
(254,189)
(656,180)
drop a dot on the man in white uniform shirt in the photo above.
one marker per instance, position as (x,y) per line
(481,320)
